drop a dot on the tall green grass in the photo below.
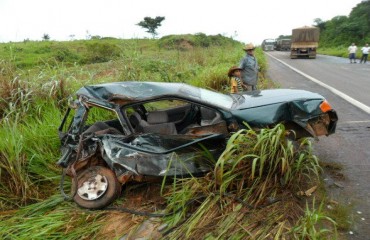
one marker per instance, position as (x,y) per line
(36,80)
(28,151)
(252,192)
(33,100)
(50,219)
(312,225)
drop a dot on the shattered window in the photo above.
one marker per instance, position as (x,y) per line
(163,105)
(160,111)
(97,114)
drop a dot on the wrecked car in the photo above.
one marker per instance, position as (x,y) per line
(119,132)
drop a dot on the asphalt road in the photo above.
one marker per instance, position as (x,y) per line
(347,88)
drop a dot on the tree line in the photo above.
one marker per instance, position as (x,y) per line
(343,30)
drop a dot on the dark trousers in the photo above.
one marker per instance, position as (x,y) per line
(352,56)
(364,58)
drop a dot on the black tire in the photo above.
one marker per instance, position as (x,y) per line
(97,187)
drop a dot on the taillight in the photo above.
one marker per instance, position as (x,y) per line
(325,106)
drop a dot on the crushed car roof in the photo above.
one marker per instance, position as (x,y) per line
(137,90)
(140,91)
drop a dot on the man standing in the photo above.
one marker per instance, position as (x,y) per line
(365,52)
(249,68)
(352,52)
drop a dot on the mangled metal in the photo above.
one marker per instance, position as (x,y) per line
(154,155)
(169,129)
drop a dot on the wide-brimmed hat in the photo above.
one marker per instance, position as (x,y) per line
(249,46)
(232,69)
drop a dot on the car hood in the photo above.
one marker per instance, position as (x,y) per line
(261,108)
(274,96)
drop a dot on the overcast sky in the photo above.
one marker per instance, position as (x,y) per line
(245,20)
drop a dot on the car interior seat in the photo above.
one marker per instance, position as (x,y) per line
(157,122)
(209,116)
(137,122)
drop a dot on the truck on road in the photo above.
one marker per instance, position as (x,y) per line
(283,44)
(305,41)
(268,45)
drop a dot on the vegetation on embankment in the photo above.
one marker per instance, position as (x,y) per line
(254,192)
(338,33)
(36,80)
(344,30)
(34,96)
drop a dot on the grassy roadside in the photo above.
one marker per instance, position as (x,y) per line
(35,84)
(255,192)
(339,51)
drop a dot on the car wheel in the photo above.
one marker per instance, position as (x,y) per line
(97,187)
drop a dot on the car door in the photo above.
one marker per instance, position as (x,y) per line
(155,154)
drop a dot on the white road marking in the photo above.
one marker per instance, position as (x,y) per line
(356,122)
(349,99)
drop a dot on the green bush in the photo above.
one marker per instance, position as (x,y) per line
(64,54)
(101,52)
(186,42)
(43,49)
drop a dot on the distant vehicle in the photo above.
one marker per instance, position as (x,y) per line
(305,40)
(268,45)
(283,44)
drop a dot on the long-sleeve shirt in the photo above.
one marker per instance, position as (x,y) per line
(249,71)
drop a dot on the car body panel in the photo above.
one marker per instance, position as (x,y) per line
(259,98)
(130,152)
(299,111)
(155,155)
